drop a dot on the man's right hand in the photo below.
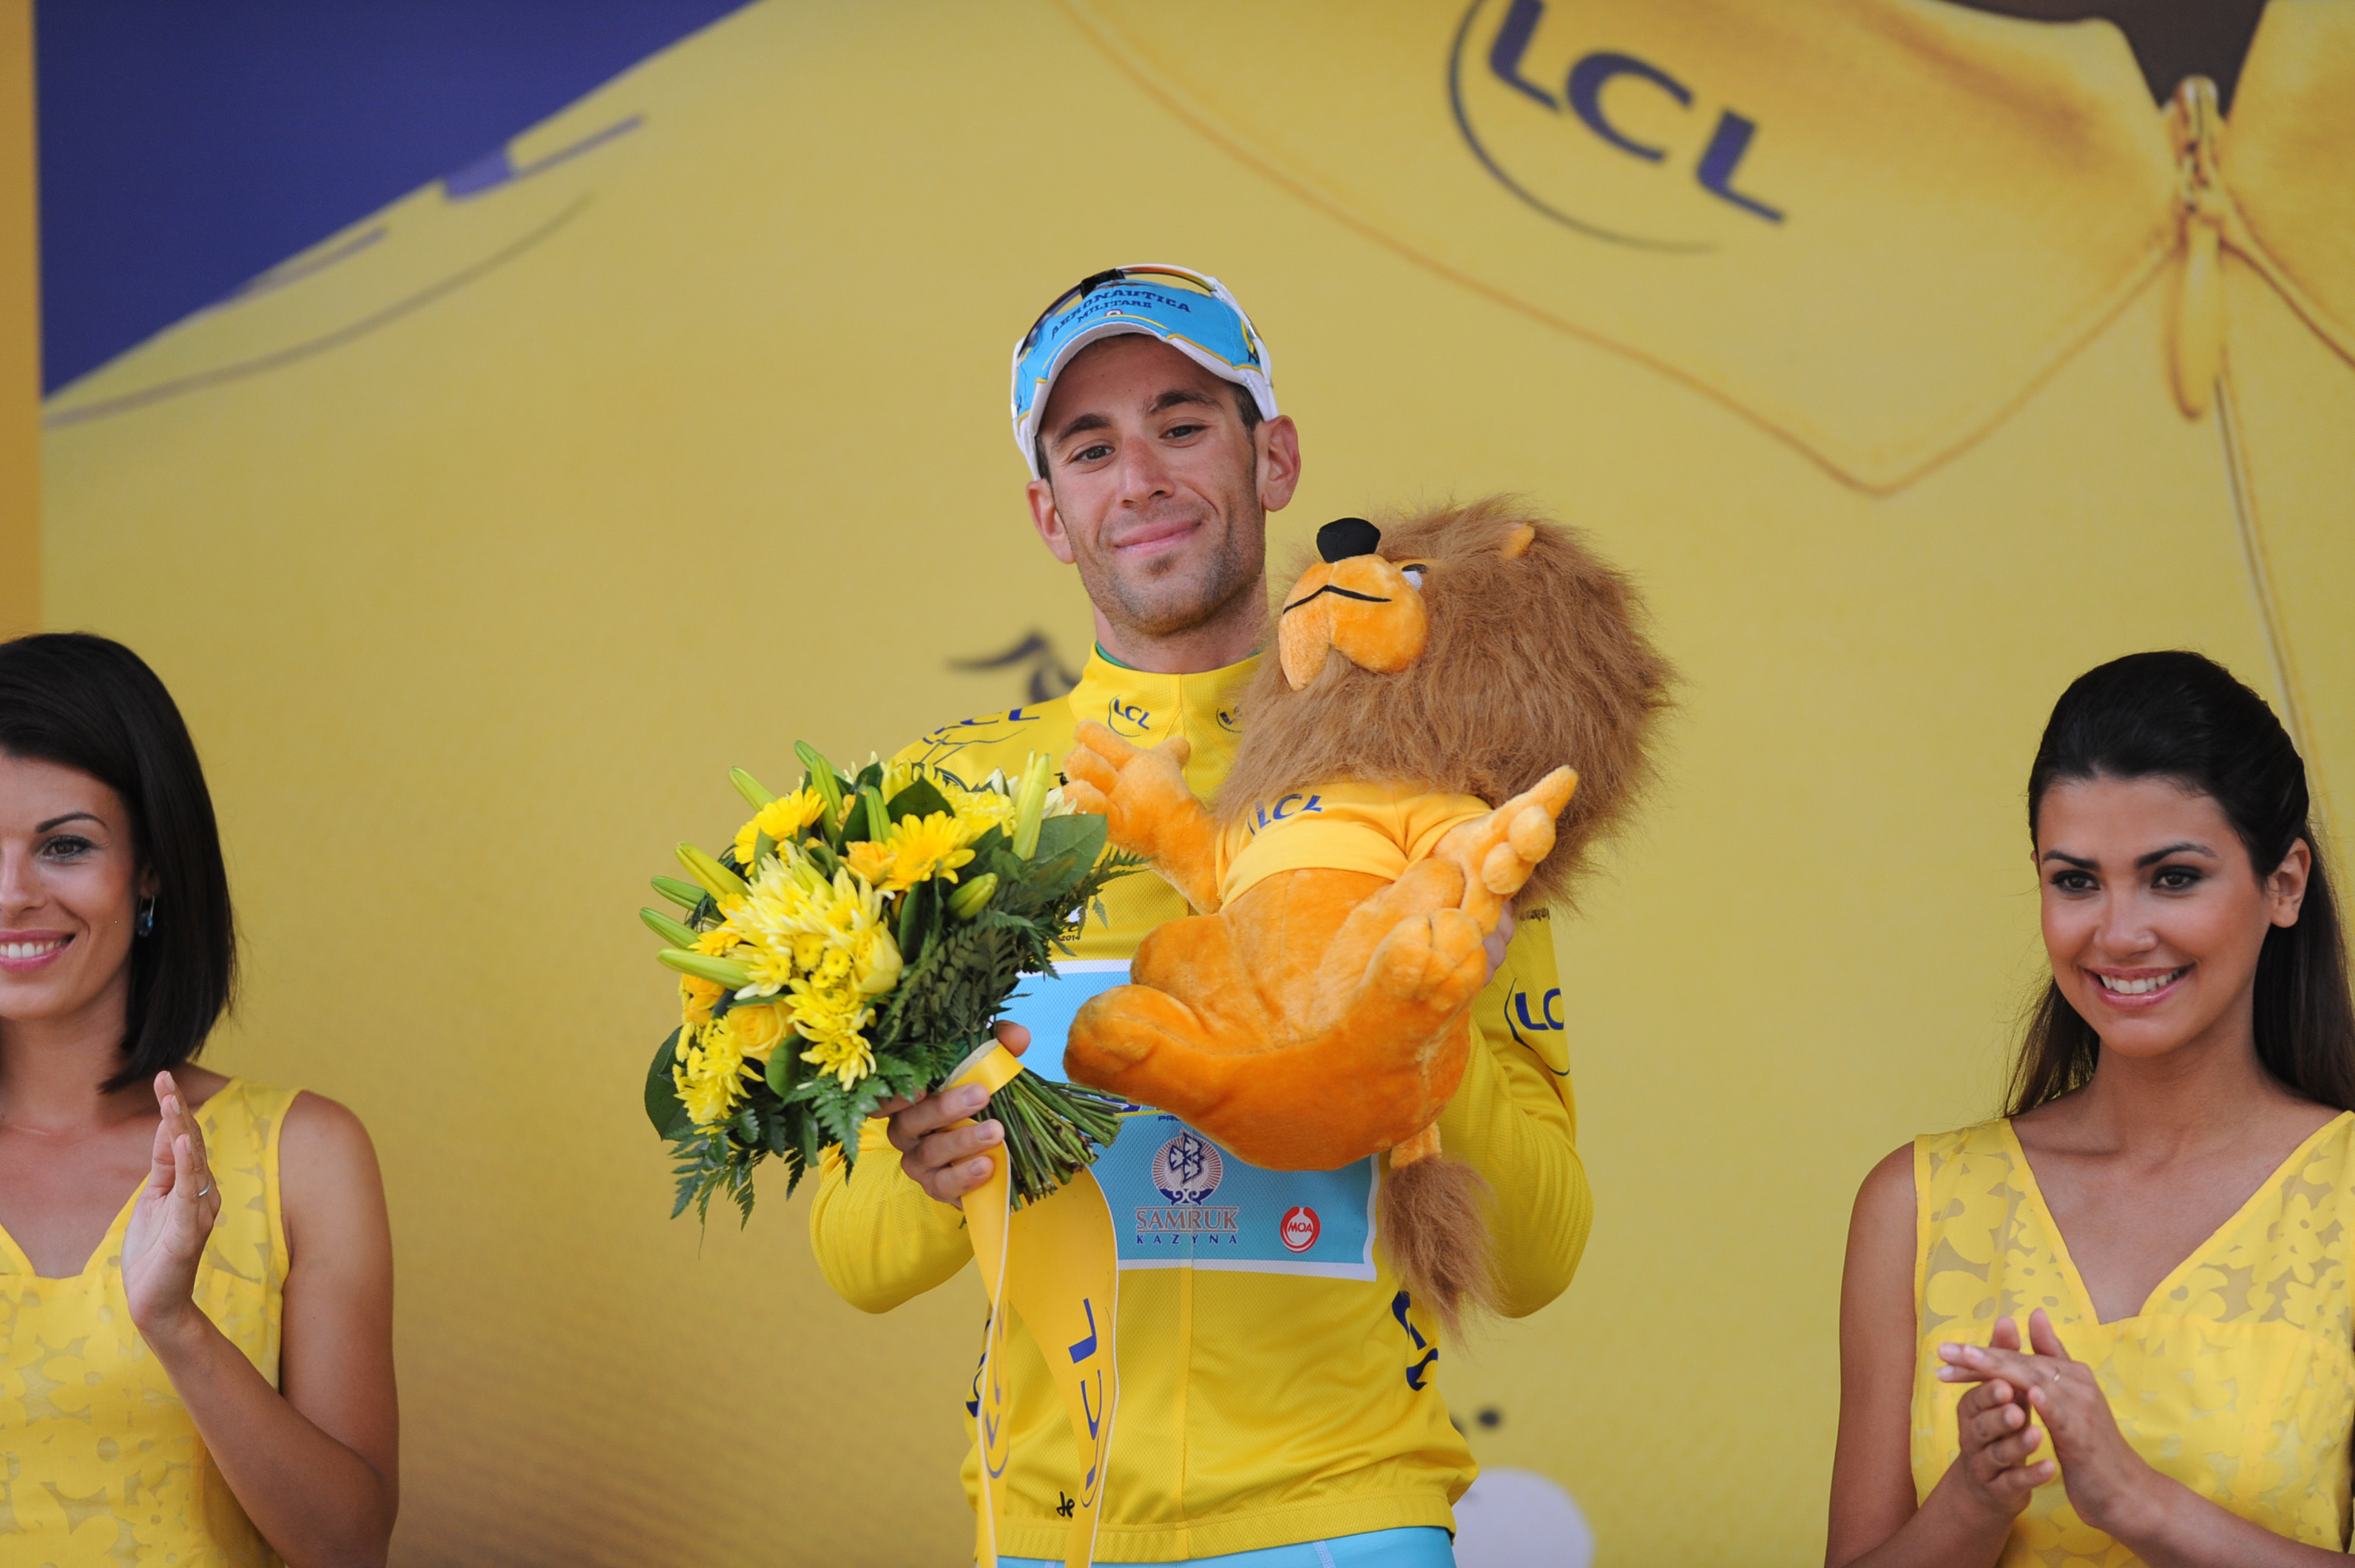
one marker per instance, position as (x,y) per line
(943,1150)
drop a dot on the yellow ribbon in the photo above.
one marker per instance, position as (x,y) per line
(1055,1264)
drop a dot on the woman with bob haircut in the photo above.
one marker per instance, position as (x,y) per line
(2113,1326)
(196,1272)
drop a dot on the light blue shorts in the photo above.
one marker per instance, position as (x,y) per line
(1423,1546)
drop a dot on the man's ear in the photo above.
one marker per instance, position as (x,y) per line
(1049,521)
(1278,441)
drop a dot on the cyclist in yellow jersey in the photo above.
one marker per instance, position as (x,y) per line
(1278,1402)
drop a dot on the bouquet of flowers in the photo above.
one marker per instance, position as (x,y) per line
(854,945)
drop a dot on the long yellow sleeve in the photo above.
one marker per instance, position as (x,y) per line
(879,1238)
(1512,1121)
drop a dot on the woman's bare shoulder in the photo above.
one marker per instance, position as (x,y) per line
(327,1170)
(1889,1186)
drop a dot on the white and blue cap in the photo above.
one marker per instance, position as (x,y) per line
(1191,312)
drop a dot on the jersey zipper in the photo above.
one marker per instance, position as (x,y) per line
(2202,379)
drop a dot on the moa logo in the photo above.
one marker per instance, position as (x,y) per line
(1299,1228)
(1615,146)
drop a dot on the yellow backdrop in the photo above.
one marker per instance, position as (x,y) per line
(480,541)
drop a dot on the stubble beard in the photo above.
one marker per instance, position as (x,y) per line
(1184,596)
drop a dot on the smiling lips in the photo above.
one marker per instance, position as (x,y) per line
(2139,985)
(20,954)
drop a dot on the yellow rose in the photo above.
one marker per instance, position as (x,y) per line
(757,1029)
(696,997)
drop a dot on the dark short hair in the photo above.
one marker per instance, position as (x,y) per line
(2181,717)
(93,705)
(1245,404)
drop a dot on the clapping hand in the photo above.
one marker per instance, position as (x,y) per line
(1998,1467)
(2108,1483)
(171,1221)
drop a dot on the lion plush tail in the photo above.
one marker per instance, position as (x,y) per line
(1436,1231)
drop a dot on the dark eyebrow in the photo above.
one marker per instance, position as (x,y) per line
(2153,859)
(1177,395)
(1174,398)
(70,817)
(1084,421)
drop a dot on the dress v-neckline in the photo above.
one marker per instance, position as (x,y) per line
(2068,1263)
(120,1227)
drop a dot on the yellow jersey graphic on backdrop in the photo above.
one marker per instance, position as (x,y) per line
(1870,335)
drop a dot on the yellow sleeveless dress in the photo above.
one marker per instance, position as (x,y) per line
(2236,1378)
(99,1462)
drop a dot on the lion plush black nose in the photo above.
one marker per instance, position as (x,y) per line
(1345,537)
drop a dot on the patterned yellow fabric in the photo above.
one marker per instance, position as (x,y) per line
(99,1462)
(2236,1378)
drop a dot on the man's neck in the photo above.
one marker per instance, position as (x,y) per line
(1230,636)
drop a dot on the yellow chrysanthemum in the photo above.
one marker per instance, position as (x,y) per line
(709,1074)
(720,941)
(842,1053)
(784,819)
(822,946)
(923,847)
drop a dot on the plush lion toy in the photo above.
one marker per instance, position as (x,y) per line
(1405,769)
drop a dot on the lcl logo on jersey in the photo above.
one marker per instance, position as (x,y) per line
(1559,137)
(1230,721)
(1129,719)
(1526,1016)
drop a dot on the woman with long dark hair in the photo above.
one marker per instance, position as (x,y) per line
(196,1272)
(2114,1326)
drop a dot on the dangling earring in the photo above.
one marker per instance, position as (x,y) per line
(145,924)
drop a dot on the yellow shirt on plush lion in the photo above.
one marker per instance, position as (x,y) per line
(1316,1011)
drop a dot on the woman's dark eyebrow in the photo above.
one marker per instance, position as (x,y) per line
(70,817)
(2153,859)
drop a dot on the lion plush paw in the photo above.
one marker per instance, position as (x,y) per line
(1434,960)
(1497,852)
(1148,807)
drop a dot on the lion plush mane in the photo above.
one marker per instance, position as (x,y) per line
(1534,659)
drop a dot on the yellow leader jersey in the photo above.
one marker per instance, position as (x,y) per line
(1276,1384)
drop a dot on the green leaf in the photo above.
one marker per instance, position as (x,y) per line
(856,827)
(662,1106)
(919,799)
(785,1064)
(1080,834)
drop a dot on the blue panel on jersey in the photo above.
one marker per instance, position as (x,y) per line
(1177,1199)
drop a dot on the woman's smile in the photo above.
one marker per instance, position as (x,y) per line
(2136,988)
(23,952)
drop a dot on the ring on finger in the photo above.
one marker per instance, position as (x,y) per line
(206,1190)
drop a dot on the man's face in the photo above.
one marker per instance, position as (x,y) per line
(1153,489)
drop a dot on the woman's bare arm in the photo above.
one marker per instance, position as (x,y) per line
(317,1466)
(1874,1522)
